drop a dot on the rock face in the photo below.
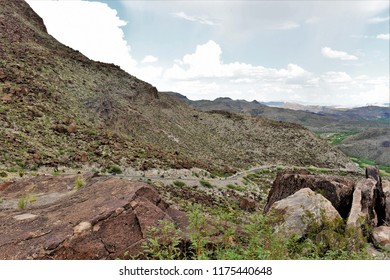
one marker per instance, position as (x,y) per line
(337,190)
(381,236)
(386,193)
(294,210)
(363,205)
(102,220)
(373,173)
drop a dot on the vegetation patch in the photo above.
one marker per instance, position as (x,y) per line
(79,183)
(235,187)
(363,163)
(217,238)
(114,169)
(25,200)
(338,138)
(179,183)
(206,184)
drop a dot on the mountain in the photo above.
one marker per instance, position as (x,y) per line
(324,119)
(369,121)
(59,108)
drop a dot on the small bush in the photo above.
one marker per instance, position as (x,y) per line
(25,200)
(163,242)
(115,169)
(206,184)
(179,183)
(3,174)
(235,187)
(79,183)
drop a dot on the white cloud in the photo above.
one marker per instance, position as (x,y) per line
(92,28)
(203,75)
(199,19)
(378,19)
(329,53)
(383,36)
(149,59)
(206,62)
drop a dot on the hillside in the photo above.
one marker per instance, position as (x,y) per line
(371,143)
(60,108)
(332,124)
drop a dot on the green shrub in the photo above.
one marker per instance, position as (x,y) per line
(162,242)
(179,183)
(3,174)
(79,183)
(114,169)
(328,239)
(25,200)
(235,187)
(206,184)
(22,202)
(214,234)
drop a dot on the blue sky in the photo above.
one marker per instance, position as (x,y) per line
(310,52)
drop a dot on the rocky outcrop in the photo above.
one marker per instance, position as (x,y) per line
(381,237)
(373,173)
(296,212)
(338,190)
(104,219)
(386,193)
(363,205)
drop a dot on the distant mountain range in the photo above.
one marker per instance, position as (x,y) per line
(316,118)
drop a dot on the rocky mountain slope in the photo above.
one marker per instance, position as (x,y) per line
(57,107)
(371,123)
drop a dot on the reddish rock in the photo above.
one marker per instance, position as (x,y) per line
(6,98)
(338,190)
(102,220)
(247,204)
(59,128)
(72,128)
(3,76)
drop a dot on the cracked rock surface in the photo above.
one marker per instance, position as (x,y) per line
(104,219)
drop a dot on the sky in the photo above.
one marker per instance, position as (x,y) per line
(309,52)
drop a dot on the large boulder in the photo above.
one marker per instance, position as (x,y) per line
(107,218)
(372,172)
(386,193)
(338,190)
(363,204)
(381,237)
(297,212)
